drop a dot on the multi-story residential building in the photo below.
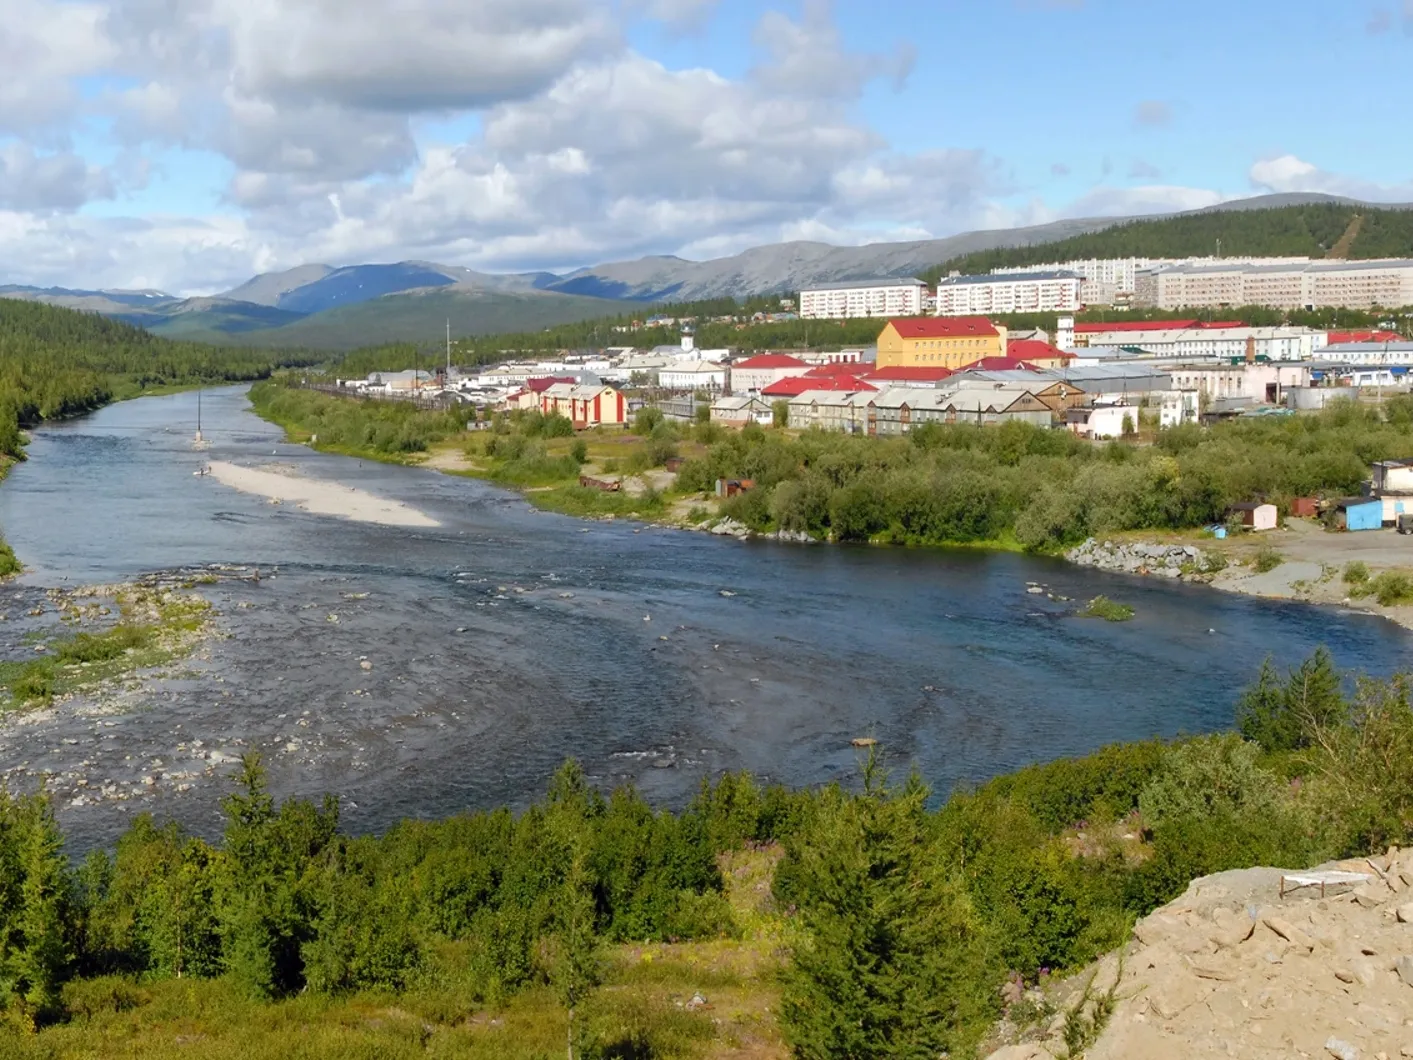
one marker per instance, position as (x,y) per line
(1308,285)
(939,342)
(1121,274)
(1042,292)
(863,298)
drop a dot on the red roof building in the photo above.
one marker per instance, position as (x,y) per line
(539,386)
(753,375)
(944,327)
(1040,353)
(771,360)
(821,370)
(1001,364)
(796,385)
(1337,337)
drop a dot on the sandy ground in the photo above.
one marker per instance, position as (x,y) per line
(1235,968)
(283,486)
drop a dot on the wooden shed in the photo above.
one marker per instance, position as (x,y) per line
(1305,507)
(1255,515)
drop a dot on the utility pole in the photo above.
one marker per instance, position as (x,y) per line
(448,349)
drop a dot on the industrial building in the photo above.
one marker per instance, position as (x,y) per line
(863,298)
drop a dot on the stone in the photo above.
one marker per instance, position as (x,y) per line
(1020,1052)
(1371,896)
(1405,913)
(1341,1050)
(1289,932)
(1364,971)
(365,665)
(1404,967)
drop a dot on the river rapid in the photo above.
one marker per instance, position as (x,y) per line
(506,640)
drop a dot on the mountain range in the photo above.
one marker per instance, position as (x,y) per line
(324,307)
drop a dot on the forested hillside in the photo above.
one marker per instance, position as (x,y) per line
(1310,231)
(58,362)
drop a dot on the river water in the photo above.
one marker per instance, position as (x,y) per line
(507,640)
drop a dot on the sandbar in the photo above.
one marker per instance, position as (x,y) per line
(283,485)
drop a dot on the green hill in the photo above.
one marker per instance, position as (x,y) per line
(422,318)
(1314,230)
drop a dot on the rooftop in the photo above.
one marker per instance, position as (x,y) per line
(855,285)
(1006,277)
(943,327)
(772,360)
(799,384)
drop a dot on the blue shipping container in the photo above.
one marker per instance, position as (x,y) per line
(1366,516)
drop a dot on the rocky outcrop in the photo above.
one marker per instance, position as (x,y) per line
(1185,562)
(1232,968)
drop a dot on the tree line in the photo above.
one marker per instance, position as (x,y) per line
(909,913)
(1311,230)
(57,362)
(1040,489)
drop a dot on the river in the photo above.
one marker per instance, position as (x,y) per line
(508,639)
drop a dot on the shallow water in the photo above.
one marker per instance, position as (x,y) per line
(508,639)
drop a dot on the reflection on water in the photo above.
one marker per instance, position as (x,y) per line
(506,639)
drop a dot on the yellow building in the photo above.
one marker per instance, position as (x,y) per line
(939,342)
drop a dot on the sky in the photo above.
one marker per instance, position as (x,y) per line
(185,145)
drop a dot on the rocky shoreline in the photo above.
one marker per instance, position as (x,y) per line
(1175,562)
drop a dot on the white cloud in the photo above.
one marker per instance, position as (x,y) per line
(678,14)
(43,47)
(1146,199)
(1153,114)
(1288,173)
(43,182)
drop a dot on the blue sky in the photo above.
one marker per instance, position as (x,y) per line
(187,146)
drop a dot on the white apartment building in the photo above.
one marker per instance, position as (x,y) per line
(863,298)
(1041,292)
(1207,344)
(1121,274)
(1309,285)
(1369,353)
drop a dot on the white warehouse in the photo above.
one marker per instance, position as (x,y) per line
(863,298)
(1040,292)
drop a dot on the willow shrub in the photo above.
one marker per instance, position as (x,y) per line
(954,484)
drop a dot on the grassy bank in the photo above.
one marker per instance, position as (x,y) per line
(835,922)
(150,627)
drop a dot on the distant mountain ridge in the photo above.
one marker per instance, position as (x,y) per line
(326,306)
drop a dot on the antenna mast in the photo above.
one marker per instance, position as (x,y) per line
(448,348)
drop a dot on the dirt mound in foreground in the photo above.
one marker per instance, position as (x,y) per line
(1233,969)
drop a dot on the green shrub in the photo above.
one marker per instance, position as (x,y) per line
(1392,588)
(1208,776)
(35,685)
(1267,560)
(1355,573)
(9,564)
(1108,610)
(579,451)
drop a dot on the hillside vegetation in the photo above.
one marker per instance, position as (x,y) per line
(420,318)
(879,924)
(59,362)
(1290,231)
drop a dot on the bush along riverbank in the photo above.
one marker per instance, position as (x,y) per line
(860,921)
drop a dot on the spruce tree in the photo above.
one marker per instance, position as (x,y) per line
(43,959)
(893,962)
